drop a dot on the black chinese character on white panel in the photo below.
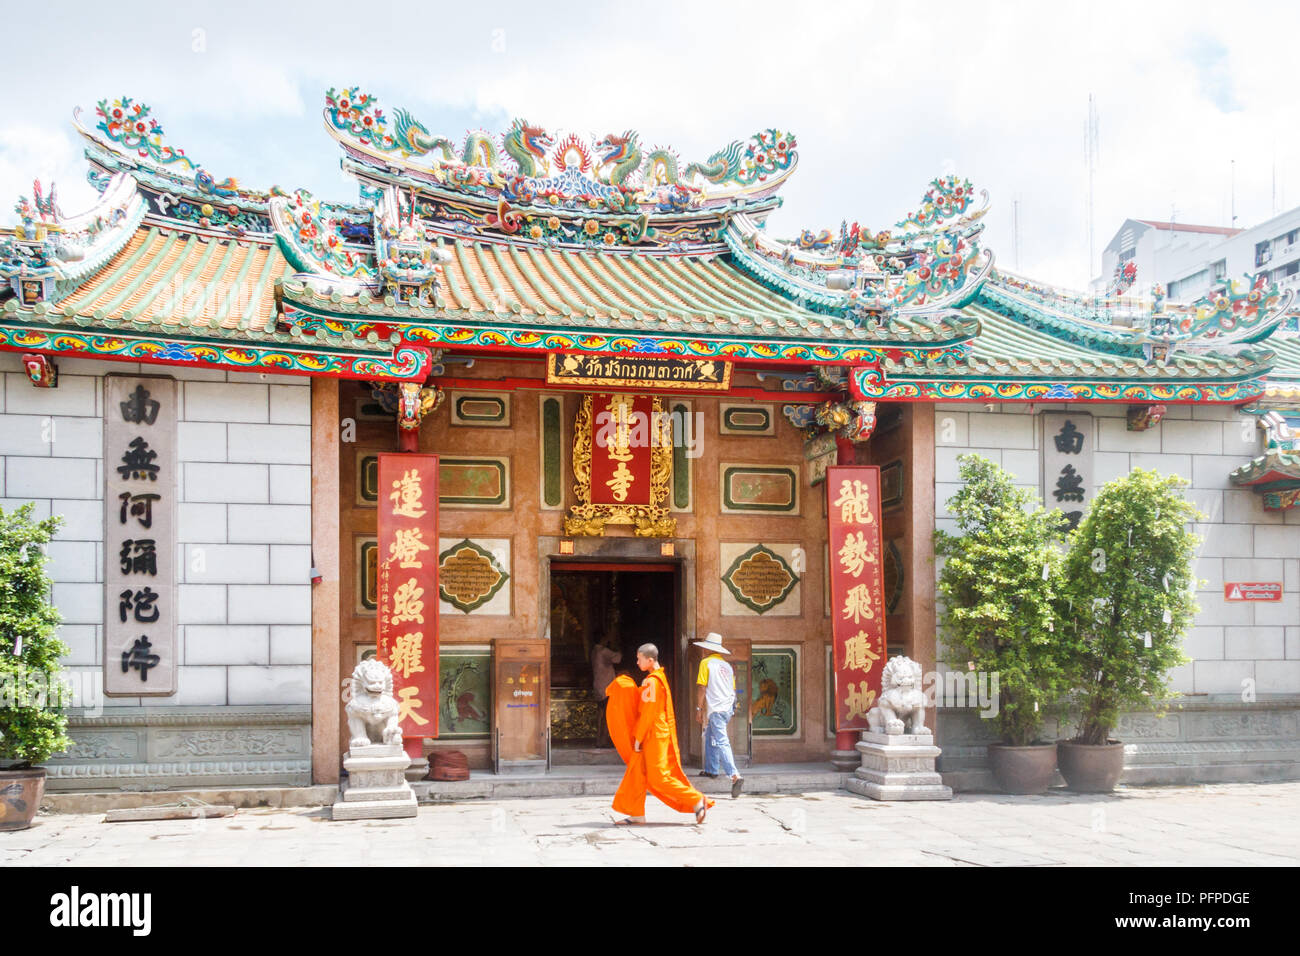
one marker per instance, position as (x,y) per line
(1072,519)
(140,507)
(1069,440)
(1069,487)
(139,408)
(144,560)
(138,461)
(140,603)
(140,658)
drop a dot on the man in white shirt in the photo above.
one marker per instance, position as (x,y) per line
(715,699)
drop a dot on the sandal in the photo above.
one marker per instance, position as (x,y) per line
(629,822)
(701,811)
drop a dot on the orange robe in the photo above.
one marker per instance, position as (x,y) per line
(647,715)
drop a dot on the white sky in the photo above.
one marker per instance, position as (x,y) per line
(881,96)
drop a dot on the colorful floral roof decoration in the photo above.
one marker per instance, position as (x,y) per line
(60,251)
(947,199)
(936,265)
(1123,279)
(355,113)
(1236,310)
(546,240)
(529,163)
(128,139)
(765,154)
(129,124)
(947,271)
(311,236)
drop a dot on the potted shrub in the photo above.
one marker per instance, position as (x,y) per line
(1129,599)
(999,586)
(32,724)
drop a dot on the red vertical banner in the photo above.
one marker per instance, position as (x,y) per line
(407,619)
(621,444)
(857,591)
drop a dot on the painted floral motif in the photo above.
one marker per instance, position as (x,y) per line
(765,154)
(1234,304)
(355,113)
(404,364)
(127,122)
(946,198)
(313,240)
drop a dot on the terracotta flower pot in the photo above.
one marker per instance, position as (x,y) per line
(20,795)
(1090,768)
(1022,769)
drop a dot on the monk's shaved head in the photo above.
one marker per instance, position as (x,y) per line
(648,650)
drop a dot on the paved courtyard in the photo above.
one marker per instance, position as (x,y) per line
(1218,825)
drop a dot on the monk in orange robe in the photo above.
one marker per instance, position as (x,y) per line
(644,732)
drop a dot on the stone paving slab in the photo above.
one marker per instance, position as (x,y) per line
(1220,824)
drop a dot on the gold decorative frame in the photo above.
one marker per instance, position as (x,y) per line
(649,520)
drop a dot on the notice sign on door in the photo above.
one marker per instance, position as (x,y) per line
(1252,590)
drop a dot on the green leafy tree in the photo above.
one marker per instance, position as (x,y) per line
(32,724)
(1129,597)
(999,586)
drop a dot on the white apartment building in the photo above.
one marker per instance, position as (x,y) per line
(1187,259)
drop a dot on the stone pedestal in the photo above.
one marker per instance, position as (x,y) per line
(418,770)
(845,761)
(376,786)
(898,767)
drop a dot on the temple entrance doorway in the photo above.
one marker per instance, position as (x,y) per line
(600,614)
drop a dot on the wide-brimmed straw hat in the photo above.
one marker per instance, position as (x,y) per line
(712,642)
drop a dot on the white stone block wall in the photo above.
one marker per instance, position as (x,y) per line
(243,522)
(1230,642)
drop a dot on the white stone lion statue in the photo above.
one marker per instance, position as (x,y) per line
(902,702)
(372,709)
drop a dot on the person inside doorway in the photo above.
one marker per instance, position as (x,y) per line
(715,702)
(604,655)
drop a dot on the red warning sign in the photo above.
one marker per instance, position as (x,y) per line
(1252,590)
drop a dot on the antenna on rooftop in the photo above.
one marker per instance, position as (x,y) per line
(1233,194)
(1092,156)
(1015,227)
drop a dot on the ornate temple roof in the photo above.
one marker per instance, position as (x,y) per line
(552,240)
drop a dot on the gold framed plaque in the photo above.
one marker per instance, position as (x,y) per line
(632,429)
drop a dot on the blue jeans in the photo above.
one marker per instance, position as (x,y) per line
(717,746)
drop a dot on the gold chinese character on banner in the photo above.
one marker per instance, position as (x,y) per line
(854,502)
(860,700)
(406,547)
(857,604)
(407,651)
(621,481)
(856,553)
(618,447)
(408,705)
(406,495)
(407,603)
(858,655)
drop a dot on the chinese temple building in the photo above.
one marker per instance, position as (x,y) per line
(633,392)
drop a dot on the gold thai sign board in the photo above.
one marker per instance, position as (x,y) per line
(638,371)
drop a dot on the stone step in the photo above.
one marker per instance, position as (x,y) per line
(604,781)
(482,785)
(374,809)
